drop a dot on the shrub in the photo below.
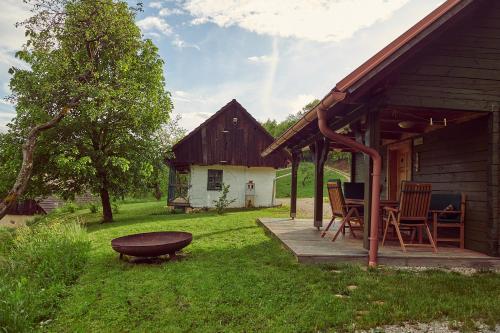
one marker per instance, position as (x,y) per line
(69,207)
(115,208)
(35,274)
(94,208)
(223,202)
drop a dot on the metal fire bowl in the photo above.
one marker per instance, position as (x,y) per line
(152,244)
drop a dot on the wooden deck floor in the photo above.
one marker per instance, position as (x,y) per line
(304,241)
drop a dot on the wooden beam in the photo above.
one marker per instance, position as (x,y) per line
(335,124)
(293,193)
(353,167)
(320,151)
(493,189)
(372,139)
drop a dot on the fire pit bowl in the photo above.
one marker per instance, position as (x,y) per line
(152,244)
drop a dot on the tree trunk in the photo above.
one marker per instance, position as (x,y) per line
(24,174)
(107,212)
(157,192)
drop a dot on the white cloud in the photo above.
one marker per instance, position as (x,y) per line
(153,24)
(180,43)
(296,104)
(155,4)
(260,59)
(170,11)
(315,20)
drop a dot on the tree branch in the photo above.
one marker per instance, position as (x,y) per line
(24,174)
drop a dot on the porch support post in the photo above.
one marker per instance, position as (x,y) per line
(352,173)
(494,181)
(372,140)
(171,184)
(293,193)
(320,151)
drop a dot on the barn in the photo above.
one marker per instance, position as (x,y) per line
(225,149)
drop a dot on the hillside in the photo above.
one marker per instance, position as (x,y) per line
(305,181)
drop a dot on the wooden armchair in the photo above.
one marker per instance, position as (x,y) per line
(448,211)
(412,212)
(348,213)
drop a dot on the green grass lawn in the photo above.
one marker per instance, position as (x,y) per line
(235,278)
(305,181)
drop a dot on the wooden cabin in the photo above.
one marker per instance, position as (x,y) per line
(225,149)
(429,103)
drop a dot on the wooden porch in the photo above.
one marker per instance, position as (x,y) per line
(303,240)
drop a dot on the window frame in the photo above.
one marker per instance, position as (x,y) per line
(215,179)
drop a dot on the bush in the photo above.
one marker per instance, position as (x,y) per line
(94,208)
(69,207)
(223,202)
(37,271)
(115,208)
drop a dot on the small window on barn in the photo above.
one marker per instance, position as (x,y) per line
(214,180)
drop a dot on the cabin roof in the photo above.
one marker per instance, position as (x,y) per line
(364,74)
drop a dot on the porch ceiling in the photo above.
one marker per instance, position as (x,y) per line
(398,123)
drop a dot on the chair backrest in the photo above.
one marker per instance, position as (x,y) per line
(415,200)
(354,190)
(441,201)
(336,196)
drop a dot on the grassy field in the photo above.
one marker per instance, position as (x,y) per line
(305,179)
(235,278)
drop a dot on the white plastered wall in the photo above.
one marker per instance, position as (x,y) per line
(236,177)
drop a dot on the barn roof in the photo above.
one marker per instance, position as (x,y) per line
(364,74)
(218,140)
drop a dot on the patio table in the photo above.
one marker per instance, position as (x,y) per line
(383,203)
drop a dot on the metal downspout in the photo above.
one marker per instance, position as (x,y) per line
(329,100)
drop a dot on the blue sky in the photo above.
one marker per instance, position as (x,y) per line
(273,56)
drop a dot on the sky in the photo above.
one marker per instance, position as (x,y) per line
(273,56)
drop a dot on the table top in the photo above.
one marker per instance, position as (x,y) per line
(383,202)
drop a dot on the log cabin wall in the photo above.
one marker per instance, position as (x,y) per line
(455,159)
(459,69)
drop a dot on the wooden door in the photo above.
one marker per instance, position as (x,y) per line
(399,167)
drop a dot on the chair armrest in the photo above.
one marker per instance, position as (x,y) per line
(391,209)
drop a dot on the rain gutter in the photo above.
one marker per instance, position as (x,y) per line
(331,99)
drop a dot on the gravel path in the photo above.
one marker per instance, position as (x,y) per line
(305,207)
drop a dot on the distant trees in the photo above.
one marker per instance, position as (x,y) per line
(89,69)
(276,128)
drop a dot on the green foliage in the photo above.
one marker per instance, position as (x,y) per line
(94,208)
(116,208)
(276,128)
(36,273)
(305,180)
(223,202)
(91,51)
(69,207)
(6,239)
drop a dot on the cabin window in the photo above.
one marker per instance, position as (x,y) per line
(214,180)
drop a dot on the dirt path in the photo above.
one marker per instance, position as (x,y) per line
(305,207)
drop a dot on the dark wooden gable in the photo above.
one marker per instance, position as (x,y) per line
(459,69)
(230,137)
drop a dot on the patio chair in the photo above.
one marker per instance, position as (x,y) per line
(412,212)
(355,191)
(348,213)
(448,211)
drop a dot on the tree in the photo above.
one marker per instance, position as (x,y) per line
(106,143)
(166,138)
(276,128)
